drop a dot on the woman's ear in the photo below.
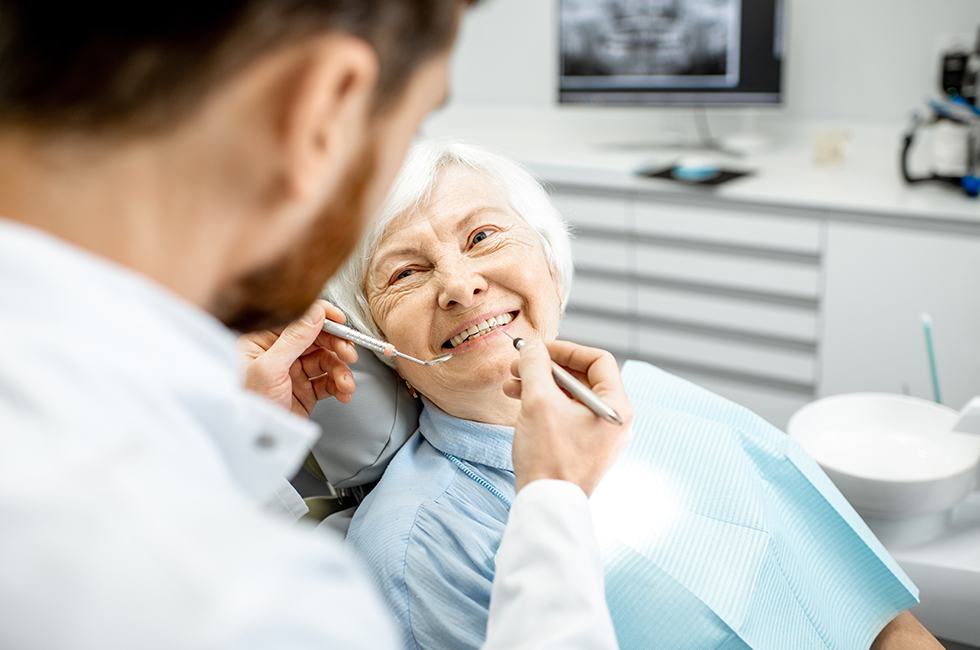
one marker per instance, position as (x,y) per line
(326,99)
(553,271)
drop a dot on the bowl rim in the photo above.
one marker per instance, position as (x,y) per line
(974,466)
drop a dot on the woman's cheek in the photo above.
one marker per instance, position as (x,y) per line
(403,322)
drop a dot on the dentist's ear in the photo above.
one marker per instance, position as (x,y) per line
(326,101)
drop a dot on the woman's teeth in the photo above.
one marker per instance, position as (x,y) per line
(481,328)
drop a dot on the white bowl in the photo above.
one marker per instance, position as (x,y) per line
(893,457)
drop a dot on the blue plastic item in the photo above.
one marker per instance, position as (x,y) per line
(971,185)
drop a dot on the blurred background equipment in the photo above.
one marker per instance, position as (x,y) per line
(954,126)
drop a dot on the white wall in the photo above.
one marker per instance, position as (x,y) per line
(864,59)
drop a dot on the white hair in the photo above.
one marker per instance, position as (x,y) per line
(414,186)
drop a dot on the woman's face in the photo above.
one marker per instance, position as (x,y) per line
(453,276)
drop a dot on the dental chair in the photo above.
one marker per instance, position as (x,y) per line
(748,514)
(359,440)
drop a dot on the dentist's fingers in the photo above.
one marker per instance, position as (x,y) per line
(282,364)
(512,388)
(332,312)
(516,372)
(556,437)
(582,359)
(595,368)
(324,387)
(345,350)
(534,369)
(321,362)
(297,337)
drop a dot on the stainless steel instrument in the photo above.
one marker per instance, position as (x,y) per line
(377,345)
(578,390)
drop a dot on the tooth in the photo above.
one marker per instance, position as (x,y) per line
(492,322)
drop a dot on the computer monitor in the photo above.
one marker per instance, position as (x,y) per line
(671,52)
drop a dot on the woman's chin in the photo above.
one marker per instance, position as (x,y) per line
(479,369)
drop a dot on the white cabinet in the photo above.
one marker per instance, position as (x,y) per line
(723,297)
(728,226)
(879,280)
(725,269)
(773,310)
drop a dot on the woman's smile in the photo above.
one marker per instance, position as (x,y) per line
(480,330)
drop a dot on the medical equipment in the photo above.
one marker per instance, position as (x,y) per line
(954,123)
(955,150)
(960,73)
(377,345)
(578,390)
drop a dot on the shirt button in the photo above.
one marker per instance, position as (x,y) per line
(265,441)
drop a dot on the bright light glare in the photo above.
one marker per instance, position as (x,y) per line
(633,506)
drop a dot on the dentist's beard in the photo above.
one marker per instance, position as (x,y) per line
(281,292)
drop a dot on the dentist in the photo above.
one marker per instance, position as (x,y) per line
(170,172)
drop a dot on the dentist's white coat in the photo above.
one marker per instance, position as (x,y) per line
(132,466)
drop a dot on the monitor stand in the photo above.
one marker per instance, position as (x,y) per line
(748,141)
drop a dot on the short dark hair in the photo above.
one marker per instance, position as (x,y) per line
(91,66)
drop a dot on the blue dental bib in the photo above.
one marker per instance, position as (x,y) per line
(718,531)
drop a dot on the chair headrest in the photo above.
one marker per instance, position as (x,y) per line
(359,439)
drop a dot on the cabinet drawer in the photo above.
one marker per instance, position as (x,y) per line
(732,227)
(602,254)
(794,367)
(728,313)
(593,211)
(736,272)
(601,294)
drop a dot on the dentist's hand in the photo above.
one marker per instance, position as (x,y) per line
(300,364)
(557,437)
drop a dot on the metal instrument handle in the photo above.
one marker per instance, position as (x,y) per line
(352,335)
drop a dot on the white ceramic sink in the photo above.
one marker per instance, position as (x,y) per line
(895,459)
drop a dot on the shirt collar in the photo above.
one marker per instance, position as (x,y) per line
(155,343)
(477,442)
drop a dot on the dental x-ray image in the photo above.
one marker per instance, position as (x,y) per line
(650,43)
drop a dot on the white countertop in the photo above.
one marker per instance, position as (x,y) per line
(587,153)
(947,571)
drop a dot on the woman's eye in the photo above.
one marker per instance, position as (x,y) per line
(480,236)
(404,274)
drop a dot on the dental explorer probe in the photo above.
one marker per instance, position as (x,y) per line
(578,390)
(377,345)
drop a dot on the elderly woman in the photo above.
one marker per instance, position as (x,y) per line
(470,250)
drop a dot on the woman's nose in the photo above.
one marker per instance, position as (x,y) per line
(461,286)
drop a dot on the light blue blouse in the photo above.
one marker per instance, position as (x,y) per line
(716,530)
(430,532)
